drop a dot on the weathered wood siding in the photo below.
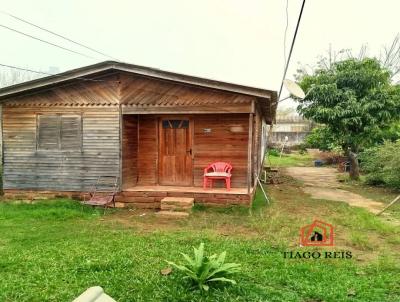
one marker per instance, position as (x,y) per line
(220,133)
(148,150)
(25,167)
(256,147)
(140,94)
(226,141)
(129,151)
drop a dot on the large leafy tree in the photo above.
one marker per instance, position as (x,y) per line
(354,99)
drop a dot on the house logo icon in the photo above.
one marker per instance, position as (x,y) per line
(318,233)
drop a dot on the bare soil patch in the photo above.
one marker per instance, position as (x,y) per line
(322,183)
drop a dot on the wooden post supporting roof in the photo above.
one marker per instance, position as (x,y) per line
(249,151)
(256,148)
(120,180)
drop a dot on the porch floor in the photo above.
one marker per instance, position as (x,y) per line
(157,188)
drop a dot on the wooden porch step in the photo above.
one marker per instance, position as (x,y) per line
(138,205)
(177,204)
(175,207)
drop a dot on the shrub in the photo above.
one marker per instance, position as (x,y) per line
(321,138)
(203,270)
(382,164)
(380,135)
(330,157)
(302,148)
(273,152)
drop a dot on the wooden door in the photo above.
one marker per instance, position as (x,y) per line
(175,152)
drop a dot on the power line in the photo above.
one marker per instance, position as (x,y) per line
(25,69)
(58,35)
(291,47)
(47,42)
(48,74)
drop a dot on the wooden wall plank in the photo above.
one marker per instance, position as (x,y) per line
(129,151)
(76,93)
(227,141)
(25,167)
(194,109)
(148,150)
(257,161)
(249,152)
(142,91)
(221,138)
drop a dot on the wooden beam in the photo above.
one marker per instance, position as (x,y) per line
(249,151)
(389,205)
(256,147)
(137,148)
(120,116)
(157,134)
(195,109)
(2,145)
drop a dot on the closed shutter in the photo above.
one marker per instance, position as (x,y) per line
(48,132)
(71,132)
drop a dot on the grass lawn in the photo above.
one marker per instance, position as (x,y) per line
(378,193)
(53,250)
(294,159)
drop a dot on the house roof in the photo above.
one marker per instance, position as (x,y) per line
(89,71)
(203,92)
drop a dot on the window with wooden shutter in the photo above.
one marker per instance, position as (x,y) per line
(48,137)
(59,132)
(70,132)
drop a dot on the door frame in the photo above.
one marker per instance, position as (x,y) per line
(162,117)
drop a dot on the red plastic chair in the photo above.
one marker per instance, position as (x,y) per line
(220,170)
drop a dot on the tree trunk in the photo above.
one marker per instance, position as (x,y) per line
(354,166)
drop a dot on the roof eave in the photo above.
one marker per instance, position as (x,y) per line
(53,79)
(9,91)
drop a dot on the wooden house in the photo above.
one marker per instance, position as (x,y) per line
(155,130)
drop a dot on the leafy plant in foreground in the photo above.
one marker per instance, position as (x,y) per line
(203,270)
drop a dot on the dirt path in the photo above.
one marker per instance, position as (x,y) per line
(322,183)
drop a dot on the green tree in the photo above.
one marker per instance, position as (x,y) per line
(321,138)
(354,99)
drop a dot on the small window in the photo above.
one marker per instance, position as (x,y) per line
(59,132)
(175,124)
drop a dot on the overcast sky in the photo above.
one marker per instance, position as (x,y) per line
(229,40)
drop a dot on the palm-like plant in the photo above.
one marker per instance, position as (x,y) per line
(202,270)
